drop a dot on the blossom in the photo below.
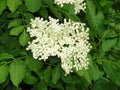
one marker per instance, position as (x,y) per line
(68,41)
(78,4)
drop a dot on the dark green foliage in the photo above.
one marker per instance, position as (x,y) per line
(18,69)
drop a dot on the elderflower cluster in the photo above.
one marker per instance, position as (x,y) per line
(68,41)
(78,4)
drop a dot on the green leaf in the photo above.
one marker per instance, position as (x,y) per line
(112,69)
(14,22)
(48,2)
(2,49)
(16,14)
(5,84)
(69,8)
(44,13)
(117,46)
(3,4)
(40,86)
(30,79)
(104,84)
(87,76)
(95,17)
(109,34)
(71,79)
(33,5)
(16,30)
(117,27)
(47,74)
(40,74)
(13,4)
(4,56)
(94,70)
(24,38)
(58,86)
(56,75)
(33,65)
(28,17)
(12,87)
(3,73)
(56,13)
(80,72)
(17,52)
(17,72)
(108,44)
(105,3)
(73,17)
(71,87)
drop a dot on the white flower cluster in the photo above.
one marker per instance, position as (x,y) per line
(68,41)
(79,4)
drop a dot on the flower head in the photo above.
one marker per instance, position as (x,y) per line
(78,4)
(67,40)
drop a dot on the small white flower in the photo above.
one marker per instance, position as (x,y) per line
(78,4)
(68,41)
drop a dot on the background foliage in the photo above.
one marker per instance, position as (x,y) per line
(19,71)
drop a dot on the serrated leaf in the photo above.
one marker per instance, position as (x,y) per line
(104,84)
(18,52)
(17,72)
(69,8)
(72,17)
(87,76)
(3,73)
(80,72)
(2,49)
(24,38)
(44,13)
(71,79)
(47,74)
(14,22)
(71,87)
(94,70)
(109,34)
(117,46)
(16,14)
(56,75)
(28,17)
(48,2)
(3,4)
(30,79)
(112,69)
(117,27)
(12,87)
(95,17)
(108,44)
(16,30)
(13,4)
(33,5)
(5,84)
(40,86)
(33,65)
(56,13)
(105,3)
(4,56)
(40,74)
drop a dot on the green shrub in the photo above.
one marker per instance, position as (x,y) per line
(19,70)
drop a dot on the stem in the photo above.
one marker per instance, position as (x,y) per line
(12,60)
